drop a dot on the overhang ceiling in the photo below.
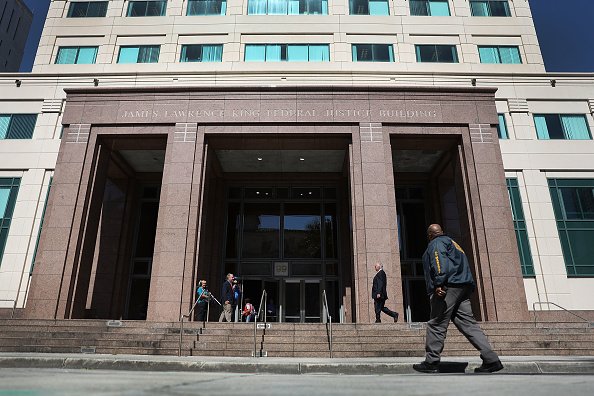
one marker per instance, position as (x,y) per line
(302,161)
(415,161)
(144,161)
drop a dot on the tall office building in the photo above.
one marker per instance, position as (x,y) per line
(294,143)
(15,22)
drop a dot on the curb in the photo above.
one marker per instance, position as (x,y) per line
(292,368)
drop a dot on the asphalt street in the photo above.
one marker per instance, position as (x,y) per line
(28,382)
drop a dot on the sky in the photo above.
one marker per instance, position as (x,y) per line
(565,31)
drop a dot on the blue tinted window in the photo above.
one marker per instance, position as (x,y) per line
(437,53)
(87,9)
(17,126)
(369,7)
(562,126)
(76,55)
(287,52)
(147,8)
(207,7)
(202,53)
(373,53)
(139,54)
(500,54)
(430,7)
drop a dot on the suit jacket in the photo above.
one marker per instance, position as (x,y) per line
(379,285)
(227,293)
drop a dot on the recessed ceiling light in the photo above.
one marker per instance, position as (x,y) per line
(257,192)
(301,159)
(259,158)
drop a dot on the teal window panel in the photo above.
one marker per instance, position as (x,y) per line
(490,8)
(437,53)
(429,8)
(520,228)
(502,127)
(76,55)
(255,53)
(287,52)
(500,54)
(17,126)
(202,53)
(207,7)
(257,7)
(139,54)
(287,7)
(278,7)
(147,8)
(562,126)
(369,7)
(573,204)
(87,9)
(9,188)
(373,53)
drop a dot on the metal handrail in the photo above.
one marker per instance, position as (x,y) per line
(558,306)
(14,304)
(181,320)
(327,311)
(262,305)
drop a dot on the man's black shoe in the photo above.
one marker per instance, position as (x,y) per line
(396,317)
(378,321)
(426,367)
(489,367)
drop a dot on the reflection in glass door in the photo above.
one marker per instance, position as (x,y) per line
(293,301)
(302,301)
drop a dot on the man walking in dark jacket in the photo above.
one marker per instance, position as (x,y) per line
(380,295)
(449,285)
(227,298)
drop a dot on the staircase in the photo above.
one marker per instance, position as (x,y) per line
(283,339)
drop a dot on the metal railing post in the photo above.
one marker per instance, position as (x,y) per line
(329,318)
(262,304)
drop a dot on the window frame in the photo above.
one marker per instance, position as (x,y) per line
(185,47)
(74,4)
(323,8)
(11,123)
(489,10)
(560,117)
(78,48)
(284,51)
(566,225)
(354,51)
(498,48)
(428,7)
(352,4)
(147,3)
(453,47)
(13,184)
(223,8)
(138,56)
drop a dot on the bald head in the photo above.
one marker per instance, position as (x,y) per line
(434,231)
(377,267)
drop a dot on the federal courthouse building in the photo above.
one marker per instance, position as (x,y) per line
(294,143)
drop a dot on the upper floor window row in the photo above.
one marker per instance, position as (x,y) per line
(430,7)
(287,52)
(87,9)
(17,126)
(137,8)
(287,7)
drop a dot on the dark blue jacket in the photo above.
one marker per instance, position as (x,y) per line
(445,264)
(227,292)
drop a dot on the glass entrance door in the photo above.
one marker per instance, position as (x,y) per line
(302,301)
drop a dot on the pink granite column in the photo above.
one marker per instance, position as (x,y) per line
(51,277)
(174,228)
(374,218)
(504,297)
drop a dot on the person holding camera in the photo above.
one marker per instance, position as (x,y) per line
(202,303)
(449,285)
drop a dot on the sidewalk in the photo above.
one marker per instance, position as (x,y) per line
(351,366)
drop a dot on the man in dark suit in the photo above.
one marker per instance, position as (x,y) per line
(227,298)
(380,295)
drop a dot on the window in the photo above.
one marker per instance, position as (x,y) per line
(288,7)
(9,188)
(495,8)
(202,53)
(430,7)
(287,52)
(87,9)
(500,54)
(146,8)
(207,7)
(437,53)
(139,54)
(561,126)
(573,203)
(76,55)
(373,53)
(369,7)
(502,128)
(515,200)
(17,126)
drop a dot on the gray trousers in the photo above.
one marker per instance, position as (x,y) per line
(227,313)
(455,307)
